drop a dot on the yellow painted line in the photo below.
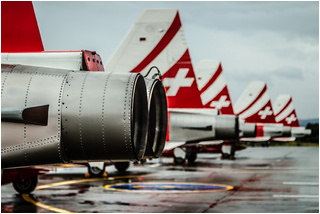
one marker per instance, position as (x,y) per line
(83,180)
(108,187)
(27,198)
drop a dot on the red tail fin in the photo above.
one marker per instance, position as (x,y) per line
(254,105)
(285,112)
(213,86)
(19,28)
(157,39)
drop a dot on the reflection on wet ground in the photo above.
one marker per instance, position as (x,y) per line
(274,179)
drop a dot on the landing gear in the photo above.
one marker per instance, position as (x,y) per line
(191,154)
(179,160)
(180,156)
(25,186)
(122,166)
(228,151)
(96,169)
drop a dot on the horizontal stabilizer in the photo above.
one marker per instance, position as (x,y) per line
(37,115)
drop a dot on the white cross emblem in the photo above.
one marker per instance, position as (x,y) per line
(220,103)
(180,80)
(291,119)
(264,113)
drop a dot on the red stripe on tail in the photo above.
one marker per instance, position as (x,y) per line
(258,97)
(166,39)
(213,78)
(285,107)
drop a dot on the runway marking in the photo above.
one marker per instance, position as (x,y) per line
(84,180)
(155,165)
(296,196)
(169,187)
(27,198)
(302,183)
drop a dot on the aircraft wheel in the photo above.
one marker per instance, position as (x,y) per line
(96,171)
(191,154)
(179,161)
(122,166)
(25,185)
(224,156)
(192,158)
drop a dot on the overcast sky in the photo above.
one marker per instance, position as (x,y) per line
(275,42)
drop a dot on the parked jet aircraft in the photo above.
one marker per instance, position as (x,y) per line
(157,38)
(214,92)
(285,113)
(72,120)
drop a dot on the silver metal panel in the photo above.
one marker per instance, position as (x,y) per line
(104,116)
(227,127)
(300,131)
(272,130)
(59,60)
(182,127)
(190,127)
(247,129)
(28,86)
(97,113)
(286,131)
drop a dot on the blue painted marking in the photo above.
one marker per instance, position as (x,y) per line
(168,187)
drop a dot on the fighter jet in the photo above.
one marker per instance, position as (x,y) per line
(157,39)
(54,110)
(285,114)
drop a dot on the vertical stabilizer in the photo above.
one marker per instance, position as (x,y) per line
(285,112)
(254,104)
(157,39)
(213,86)
(19,28)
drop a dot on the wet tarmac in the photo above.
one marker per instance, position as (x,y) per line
(268,180)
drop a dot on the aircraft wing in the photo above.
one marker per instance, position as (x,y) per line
(284,139)
(171,145)
(255,139)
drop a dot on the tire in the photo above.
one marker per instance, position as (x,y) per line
(224,156)
(191,155)
(122,166)
(95,171)
(179,161)
(192,159)
(26,186)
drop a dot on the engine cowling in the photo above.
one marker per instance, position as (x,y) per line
(195,127)
(92,116)
(157,108)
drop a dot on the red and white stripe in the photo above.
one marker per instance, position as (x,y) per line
(157,39)
(285,112)
(213,86)
(254,105)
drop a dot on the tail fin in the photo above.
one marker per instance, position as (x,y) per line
(285,112)
(254,105)
(157,39)
(19,28)
(213,86)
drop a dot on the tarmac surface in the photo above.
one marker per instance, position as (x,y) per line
(268,180)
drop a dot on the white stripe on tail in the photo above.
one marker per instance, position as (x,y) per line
(157,39)
(285,112)
(213,86)
(254,105)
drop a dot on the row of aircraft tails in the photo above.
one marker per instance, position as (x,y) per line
(147,100)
